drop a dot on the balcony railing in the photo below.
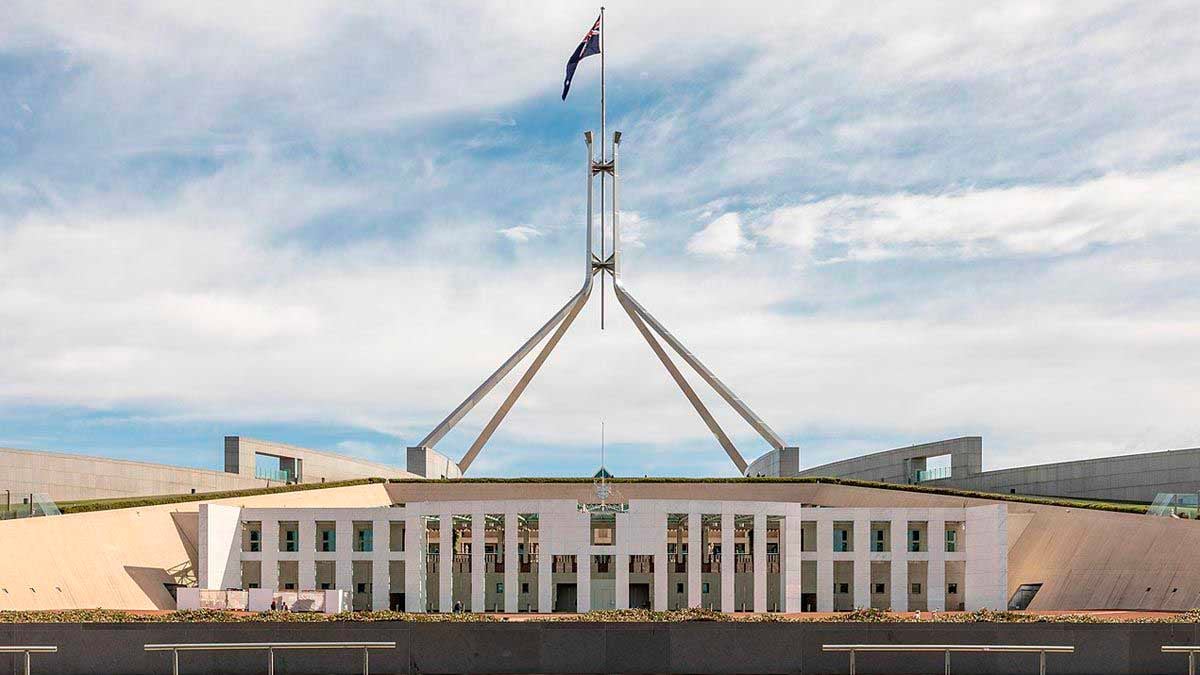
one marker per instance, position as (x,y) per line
(931,474)
(711,564)
(565,564)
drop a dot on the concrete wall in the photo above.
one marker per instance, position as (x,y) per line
(68,477)
(894,466)
(315,466)
(1136,478)
(544,647)
(1127,477)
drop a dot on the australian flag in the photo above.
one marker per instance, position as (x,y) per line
(589,46)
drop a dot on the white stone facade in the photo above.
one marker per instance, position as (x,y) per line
(544,555)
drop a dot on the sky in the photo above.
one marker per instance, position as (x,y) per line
(324,224)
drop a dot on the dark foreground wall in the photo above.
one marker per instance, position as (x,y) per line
(526,647)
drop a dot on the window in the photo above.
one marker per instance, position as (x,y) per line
(772,548)
(328,541)
(841,588)
(739,547)
(704,587)
(841,540)
(434,549)
(1023,596)
(252,584)
(679,587)
(524,586)
(914,541)
(952,589)
(360,588)
(879,588)
(365,541)
(326,586)
(499,587)
(289,586)
(951,541)
(289,541)
(877,541)
(916,589)
(255,541)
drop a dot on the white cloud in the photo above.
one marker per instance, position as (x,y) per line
(974,223)
(520,233)
(722,238)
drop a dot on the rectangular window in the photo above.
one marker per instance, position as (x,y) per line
(328,540)
(916,589)
(289,541)
(361,588)
(499,587)
(841,588)
(951,541)
(365,542)
(877,541)
(841,540)
(772,548)
(879,588)
(952,589)
(914,541)
(524,586)
(253,584)
(289,586)
(679,587)
(704,587)
(326,586)
(255,541)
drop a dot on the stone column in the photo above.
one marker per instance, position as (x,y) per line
(695,556)
(545,578)
(306,543)
(414,564)
(343,545)
(728,560)
(862,563)
(583,582)
(899,529)
(825,565)
(512,567)
(790,561)
(622,562)
(381,575)
(760,562)
(661,590)
(478,564)
(272,542)
(445,562)
(935,592)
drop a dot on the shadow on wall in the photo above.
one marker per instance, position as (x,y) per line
(159,584)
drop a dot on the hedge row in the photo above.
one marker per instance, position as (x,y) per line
(139,502)
(604,616)
(825,480)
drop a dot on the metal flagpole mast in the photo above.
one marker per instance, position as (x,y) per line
(603,158)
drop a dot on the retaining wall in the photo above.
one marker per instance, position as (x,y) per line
(537,647)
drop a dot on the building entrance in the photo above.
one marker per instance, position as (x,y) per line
(639,596)
(565,598)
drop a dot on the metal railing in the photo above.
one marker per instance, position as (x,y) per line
(268,647)
(27,650)
(1041,650)
(1190,650)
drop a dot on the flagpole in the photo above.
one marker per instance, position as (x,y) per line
(603,157)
